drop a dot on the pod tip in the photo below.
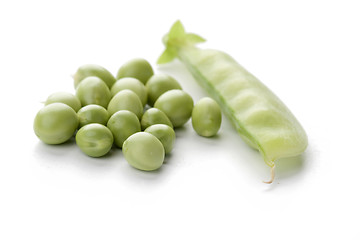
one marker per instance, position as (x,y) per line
(272,175)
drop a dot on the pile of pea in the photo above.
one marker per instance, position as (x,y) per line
(138,111)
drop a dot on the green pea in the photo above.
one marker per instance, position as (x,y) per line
(144,151)
(94,139)
(177,105)
(88,70)
(154,116)
(132,84)
(165,134)
(137,68)
(123,124)
(158,84)
(126,100)
(55,123)
(64,97)
(92,114)
(92,90)
(206,117)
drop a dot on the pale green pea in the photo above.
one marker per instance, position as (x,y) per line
(88,70)
(92,114)
(132,84)
(206,117)
(154,116)
(138,68)
(123,124)
(177,105)
(64,97)
(55,123)
(144,151)
(126,100)
(92,90)
(165,134)
(158,84)
(94,139)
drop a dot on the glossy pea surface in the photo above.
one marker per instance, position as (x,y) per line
(158,84)
(126,100)
(144,151)
(165,134)
(177,105)
(92,90)
(95,140)
(64,97)
(55,123)
(154,116)
(93,114)
(132,84)
(138,68)
(206,117)
(88,70)
(123,124)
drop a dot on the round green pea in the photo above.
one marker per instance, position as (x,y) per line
(123,124)
(94,139)
(138,68)
(206,117)
(177,105)
(55,123)
(92,90)
(64,97)
(154,116)
(126,100)
(93,114)
(88,70)
(144,151)
(132,84)
(158,84)
(165,134)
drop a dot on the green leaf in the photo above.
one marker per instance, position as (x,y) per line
(167,56)
(193,39)
(177,30)
(175,39)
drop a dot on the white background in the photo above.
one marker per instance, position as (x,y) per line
(307,52)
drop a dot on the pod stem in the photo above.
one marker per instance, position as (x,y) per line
(176,38)
(272,175)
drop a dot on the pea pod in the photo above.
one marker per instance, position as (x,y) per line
(259,116)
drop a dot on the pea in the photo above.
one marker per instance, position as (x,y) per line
(154,116)
(165,134)
(158,84)
(64,97)
(132,84)
(206,117)
(177,105)
(55,123)
(92,90)
(123,124)
(92,114)
(138,68)
(126,100)
(94,139)
(88,70)
(144,151)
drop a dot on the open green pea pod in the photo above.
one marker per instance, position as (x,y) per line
(259,116)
